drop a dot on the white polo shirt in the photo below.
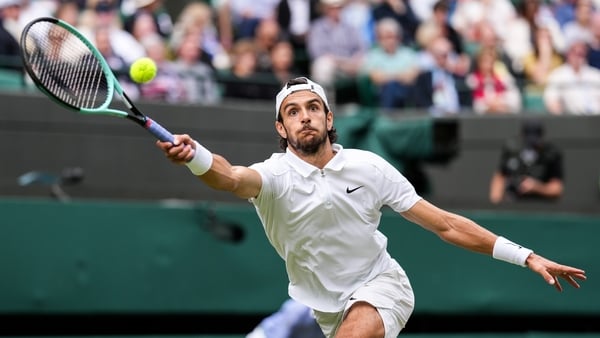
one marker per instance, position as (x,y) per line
(323,223)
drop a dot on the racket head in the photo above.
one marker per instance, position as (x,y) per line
(67,67)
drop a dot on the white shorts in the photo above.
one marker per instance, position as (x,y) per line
(390,293)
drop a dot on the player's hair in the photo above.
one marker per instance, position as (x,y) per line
(331,134)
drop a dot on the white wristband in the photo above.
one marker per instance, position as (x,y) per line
(201,162)
(508,251)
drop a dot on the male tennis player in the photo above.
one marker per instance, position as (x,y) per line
(320,207)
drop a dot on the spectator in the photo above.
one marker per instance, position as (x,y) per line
(238,19)
(542,60)
(9,35)
(243,81)
(530,167)
(469,13)
(333,47)
(439,18)
(437,89)
(268,33)
(197,18)
(156,10)
(69,12)
(104,13)
(494,89)
(390,66)
(574,87)
(401,11)
(581,26)
(167,85)
(116,63)
(521,32)
(295,18)
(197,76)
(282,62)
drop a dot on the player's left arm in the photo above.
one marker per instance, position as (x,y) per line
(467,234)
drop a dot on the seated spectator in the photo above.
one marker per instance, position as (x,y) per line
(282,62)
(267,34)
(243,81)
(574,87)
(439,18)
(115,61)
(105,14)
(333,47)
(197,18)
(198,76)
(156,11)
(530,167)
(401,11)
(295,18)
(437,89)
(494,89)
(9,35)
(167,85)
(580,27)
(542,60)
(390,66)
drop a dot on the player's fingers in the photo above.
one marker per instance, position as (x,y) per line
(569,278)
(557,284)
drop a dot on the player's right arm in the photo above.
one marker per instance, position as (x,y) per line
(239,180)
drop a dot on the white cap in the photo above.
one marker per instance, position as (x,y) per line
(297,84)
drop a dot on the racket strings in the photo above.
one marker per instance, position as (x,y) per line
(65,66)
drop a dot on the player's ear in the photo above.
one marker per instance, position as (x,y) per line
(280,129)
(329,118)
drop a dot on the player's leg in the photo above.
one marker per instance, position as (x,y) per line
(362,320)
(380,308)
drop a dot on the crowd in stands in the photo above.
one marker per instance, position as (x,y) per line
(440,56)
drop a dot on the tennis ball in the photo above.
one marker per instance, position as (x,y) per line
(143,70)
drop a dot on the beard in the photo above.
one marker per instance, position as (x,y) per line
(308,145)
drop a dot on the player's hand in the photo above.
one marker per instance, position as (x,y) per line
(180,151)
(552,272)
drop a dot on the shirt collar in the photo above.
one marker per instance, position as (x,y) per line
(305,169)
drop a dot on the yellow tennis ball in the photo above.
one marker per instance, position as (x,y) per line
(143,70)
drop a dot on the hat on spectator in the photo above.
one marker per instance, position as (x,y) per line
(297,84)
(333,3)
(8,3)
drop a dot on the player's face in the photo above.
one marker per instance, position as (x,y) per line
(305,123)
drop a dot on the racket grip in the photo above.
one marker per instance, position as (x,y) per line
(157,130)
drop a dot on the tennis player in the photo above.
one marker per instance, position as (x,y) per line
(320,207)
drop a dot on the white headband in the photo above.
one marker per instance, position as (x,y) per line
(288,89)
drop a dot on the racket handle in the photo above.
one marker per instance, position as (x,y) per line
(157,130)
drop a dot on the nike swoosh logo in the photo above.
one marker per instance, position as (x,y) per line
(349,191)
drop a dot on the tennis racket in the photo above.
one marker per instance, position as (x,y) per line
(67,67)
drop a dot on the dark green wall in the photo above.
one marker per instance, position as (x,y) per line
(103,257)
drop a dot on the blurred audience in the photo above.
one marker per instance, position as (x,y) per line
(574,87)
(530,167)
(333,47)
(167,86)
(9,34)
(494,89)
(401,11)
(390,66)
(243,81)
(438,89)
(197,76)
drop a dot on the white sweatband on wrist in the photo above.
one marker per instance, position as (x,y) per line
(508,251)
(201,162)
